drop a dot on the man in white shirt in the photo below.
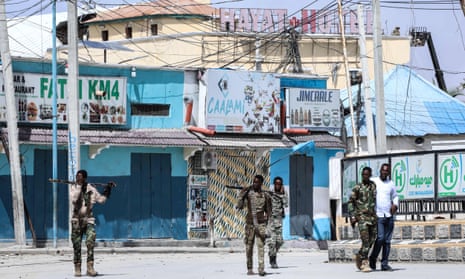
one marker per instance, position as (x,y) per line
(387,203)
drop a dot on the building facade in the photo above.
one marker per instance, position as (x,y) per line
(138,129)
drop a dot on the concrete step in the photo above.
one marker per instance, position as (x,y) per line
(404,250)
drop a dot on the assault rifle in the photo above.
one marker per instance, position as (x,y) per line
(63,181)
(250,187)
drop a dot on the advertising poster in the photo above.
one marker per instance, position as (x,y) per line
(374,164)
(102,100)
(451,180)
(349,179)
(243,102)
(315,109)
(198,195)
(413,176)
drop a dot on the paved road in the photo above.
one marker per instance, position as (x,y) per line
(208,265)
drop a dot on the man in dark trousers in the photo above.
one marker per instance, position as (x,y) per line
(84,196)
(258,211)
(387,203)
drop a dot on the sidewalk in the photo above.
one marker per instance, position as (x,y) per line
(157,246)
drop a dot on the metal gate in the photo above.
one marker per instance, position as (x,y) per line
(151,197)
(301,195)
(38,196)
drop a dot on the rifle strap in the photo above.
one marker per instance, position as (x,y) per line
(253,208)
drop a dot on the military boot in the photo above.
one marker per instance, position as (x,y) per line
(358,261)
(365,266)
(90,269)
(77,269)
(273,262)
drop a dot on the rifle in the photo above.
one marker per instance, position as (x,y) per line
(241,188)
(63,181)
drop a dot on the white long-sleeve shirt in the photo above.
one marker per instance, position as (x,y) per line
(386,195)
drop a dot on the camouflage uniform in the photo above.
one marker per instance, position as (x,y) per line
(275,224)
(362,206)
(258,210)
(83,221)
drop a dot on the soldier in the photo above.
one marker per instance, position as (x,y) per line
(279,201)
(83,197)
(362,211)
(258,211)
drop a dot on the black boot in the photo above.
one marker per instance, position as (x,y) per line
(273,262)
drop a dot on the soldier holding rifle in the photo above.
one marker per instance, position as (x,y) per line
(84,196)
(258,211)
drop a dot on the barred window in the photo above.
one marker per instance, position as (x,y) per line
(150,109)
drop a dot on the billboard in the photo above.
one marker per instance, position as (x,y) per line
(413,176)
(102,100)
(451,180)
(314,109)
(242,102)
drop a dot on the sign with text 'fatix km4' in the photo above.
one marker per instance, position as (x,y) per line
(242,102)
(102,100)
(313,109)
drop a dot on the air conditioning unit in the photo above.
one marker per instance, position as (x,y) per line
(209,160)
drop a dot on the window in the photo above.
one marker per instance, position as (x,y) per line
(104,35)
(150,109)
(154,29)
(128,32)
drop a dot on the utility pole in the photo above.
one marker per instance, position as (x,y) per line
(74,148)
(292,53)
(15,164)
(365,81)
(379,80)
(349,87)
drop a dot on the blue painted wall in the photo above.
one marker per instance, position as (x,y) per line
(321,213)
(150,86)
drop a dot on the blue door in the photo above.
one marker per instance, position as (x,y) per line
(151,197)
(38,196)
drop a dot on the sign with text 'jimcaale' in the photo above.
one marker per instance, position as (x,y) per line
(314,109)
(242,102)
(102,100)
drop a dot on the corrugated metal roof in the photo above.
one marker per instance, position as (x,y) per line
(140,137)
(245,141)
(265,141)
(160,7)
(413,107)
(321,140)
(174,137)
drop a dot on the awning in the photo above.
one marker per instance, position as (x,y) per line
(139,137)
(321,140)
(245,141)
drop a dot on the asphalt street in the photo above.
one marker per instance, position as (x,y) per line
(209,265)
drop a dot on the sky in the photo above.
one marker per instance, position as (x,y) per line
(444,19)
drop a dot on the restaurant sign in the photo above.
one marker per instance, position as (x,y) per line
(102,100)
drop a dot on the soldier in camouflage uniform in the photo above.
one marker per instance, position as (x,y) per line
(362,211)
(84,196)
(258,211)
(279,202)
